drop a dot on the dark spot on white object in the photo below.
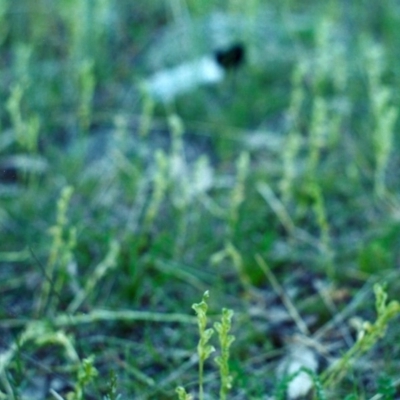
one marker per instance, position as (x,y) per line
(230,57)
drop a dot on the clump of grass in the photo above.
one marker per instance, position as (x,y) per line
(146,116)
(182,395)
(225,340)
(238,194)
(87,83)
(368,336)
(293,140)
(204,349)
(40,334)
(112,390)
(86,374)
(60,256)
(160,183)
(26,130)
(384,114)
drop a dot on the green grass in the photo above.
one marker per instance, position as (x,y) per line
(276,191)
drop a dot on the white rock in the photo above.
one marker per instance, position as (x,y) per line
(167,84)
(298,356)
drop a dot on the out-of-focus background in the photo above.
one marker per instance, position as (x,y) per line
(153,150)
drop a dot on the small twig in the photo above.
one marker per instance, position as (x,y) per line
(281,293)
(63,320)
(122,315)
(56,395)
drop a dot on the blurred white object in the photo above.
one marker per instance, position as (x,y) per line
(168,83)
(299,356)
(184,55)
